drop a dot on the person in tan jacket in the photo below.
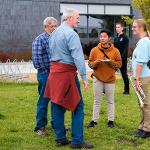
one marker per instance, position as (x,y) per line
(104,59)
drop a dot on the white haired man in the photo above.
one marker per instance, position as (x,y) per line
(41,61)
(63,87)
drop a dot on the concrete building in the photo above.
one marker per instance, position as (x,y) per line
(21,20)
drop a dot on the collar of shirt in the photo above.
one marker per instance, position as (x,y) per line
(67,25)
(121,35)
(46,34)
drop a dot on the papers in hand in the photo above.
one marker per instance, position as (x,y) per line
(105,60)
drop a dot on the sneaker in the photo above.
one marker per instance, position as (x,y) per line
(84,146)
(138,133)
(41,132)
(145,134)
(142,134)
(111,124)
(63,142)
(92,124)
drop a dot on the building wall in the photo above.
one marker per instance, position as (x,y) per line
(21,20)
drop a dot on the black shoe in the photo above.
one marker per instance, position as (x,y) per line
(126,93)
(111,124)
(138,133)
(92,124)
(142,134)
(145,134)
(84,145)
(61,143)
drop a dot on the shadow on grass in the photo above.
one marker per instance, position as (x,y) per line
(2,116)
(134,142)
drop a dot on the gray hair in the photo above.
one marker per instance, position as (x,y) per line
(69,12)
(48,21)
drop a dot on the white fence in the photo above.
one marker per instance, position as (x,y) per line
(16,71)
(20,71)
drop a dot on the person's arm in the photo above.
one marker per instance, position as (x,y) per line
(92,62)
(142,58)
(137,82)
(116,62)
(126,46)
(37,53)
(75,48)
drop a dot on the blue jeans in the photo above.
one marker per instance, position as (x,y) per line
(42,104)
(77,121)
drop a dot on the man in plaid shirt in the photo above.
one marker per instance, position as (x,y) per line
(41,61)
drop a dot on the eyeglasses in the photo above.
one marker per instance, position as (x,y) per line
(52,26)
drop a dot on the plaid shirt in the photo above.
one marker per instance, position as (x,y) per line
(40,51)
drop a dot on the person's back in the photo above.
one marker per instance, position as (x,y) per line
(66,48)
(61,44)
(64,92)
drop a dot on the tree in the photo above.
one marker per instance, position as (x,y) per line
(144,7)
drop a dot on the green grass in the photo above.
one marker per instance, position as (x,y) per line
(17,121)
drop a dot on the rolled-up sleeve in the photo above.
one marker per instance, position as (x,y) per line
(142,55)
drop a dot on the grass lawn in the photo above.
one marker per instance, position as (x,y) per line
(17,121)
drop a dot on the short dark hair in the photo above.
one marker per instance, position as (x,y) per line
(108,32)
(120,23)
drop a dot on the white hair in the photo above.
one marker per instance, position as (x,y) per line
(69,12)
(48,21)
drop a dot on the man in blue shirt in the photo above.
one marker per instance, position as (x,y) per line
(66,48)
(41,60)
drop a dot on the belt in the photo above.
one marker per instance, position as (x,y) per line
(43,70)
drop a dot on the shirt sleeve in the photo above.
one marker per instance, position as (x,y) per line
(142,55)
(37,53)
(91,61)
(75,48)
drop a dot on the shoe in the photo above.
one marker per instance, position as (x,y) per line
(41,132)
(138,133)
(126,93)
(84,146)
(92,124)
(145,134)
(142,134)
(61,143)
(111,124)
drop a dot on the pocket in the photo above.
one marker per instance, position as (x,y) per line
(67,91)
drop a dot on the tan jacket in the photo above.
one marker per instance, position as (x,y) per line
(105,71)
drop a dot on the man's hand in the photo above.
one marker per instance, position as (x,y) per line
(86,85)
(97,62)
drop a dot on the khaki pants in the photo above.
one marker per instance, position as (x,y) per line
(145,119)
(98,88)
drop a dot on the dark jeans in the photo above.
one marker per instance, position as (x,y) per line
(124,74)
(42,104)
(77,121)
